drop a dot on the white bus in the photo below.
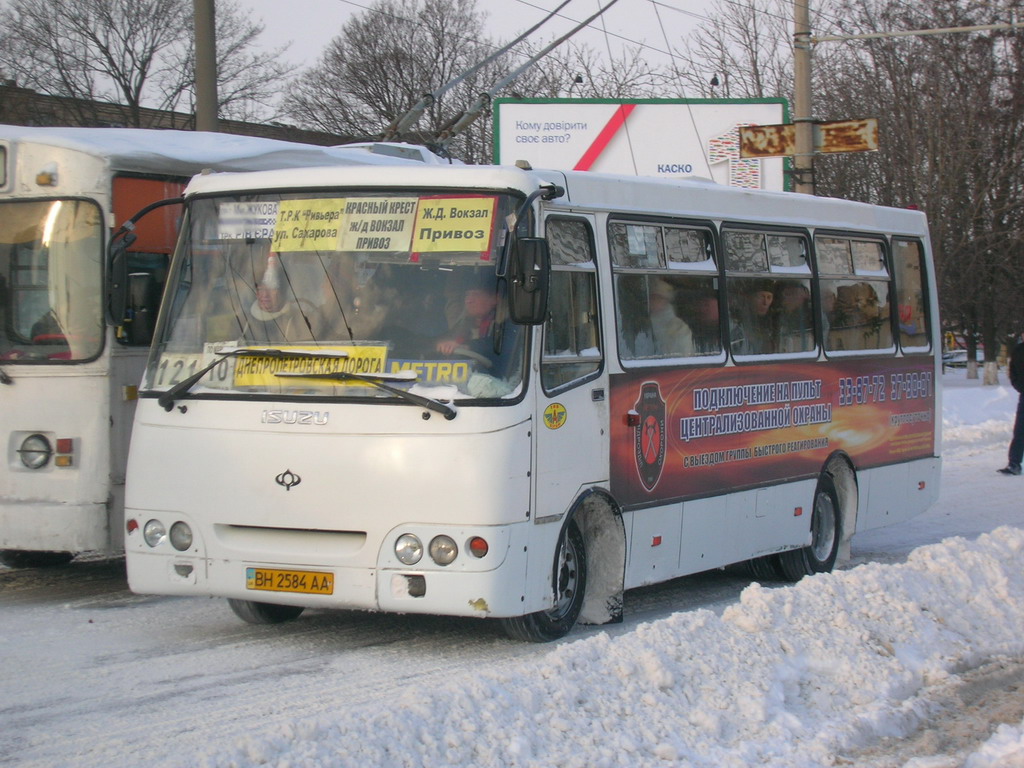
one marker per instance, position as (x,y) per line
(68,379)
(500,392)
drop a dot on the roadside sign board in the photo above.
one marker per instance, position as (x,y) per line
(829,137)
(667,138)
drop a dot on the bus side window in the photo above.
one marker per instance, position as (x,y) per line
(572,339)
(855,301)
(908,265)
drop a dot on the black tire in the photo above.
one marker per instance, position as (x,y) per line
(264,613)
(570,579)
(826,533)
(16,558)
(764,568)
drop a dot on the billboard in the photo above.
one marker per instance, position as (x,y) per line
(668,138)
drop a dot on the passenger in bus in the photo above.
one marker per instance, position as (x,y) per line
(750,317)
(828,308)
(672,336)
(704,321)
(860,320)
(479,308)
(795,323)
(272,317)
(349,311)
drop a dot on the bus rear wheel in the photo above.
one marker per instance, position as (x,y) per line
(17,558)
(826,532)
(264,613)
(570,580)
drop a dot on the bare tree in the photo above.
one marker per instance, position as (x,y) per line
(580,71)
(745,47)
(382,63)
(136,53)
(951,115)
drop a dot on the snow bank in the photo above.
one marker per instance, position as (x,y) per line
(792,676)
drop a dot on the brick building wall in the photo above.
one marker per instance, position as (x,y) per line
(24,106)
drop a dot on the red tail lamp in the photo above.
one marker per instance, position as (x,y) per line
(478,546)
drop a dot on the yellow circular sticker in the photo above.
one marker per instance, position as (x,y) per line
(554,416)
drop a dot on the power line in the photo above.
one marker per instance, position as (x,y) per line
(410,118)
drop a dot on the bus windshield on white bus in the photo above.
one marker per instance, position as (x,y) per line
(513,394)
(68,376)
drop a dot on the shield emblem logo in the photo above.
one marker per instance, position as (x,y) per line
(650,438)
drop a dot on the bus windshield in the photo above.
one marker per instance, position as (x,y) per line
(50,281)
(393,287)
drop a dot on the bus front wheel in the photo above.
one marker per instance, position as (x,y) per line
(570,580)
(826,532)
(264,613)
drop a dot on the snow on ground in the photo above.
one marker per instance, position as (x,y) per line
(925,653)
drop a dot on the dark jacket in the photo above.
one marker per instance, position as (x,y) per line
(1017,367)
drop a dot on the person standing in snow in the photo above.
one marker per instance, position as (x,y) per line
(1016,368)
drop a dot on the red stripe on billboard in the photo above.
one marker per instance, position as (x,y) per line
(604,137)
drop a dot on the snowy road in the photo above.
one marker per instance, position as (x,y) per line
(121,677)
(95,676)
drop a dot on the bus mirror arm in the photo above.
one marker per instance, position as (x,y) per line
(116,287)
(544,192)
(526,262)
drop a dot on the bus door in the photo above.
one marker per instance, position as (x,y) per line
(572,396)
(156,234)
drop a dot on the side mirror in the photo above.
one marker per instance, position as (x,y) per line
(529,278)
(117,280)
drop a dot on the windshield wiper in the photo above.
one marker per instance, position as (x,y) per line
(4,378)
(377,380)
(167,398)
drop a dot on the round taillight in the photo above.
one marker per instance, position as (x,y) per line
(478,547)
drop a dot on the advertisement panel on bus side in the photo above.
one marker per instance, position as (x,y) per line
(697,432)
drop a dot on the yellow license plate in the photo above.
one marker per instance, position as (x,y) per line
(274,580)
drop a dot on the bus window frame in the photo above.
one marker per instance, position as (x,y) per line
(592,268)
(929,348)
(525,226)
(670,270)
(104,233)
(808,273)
(870,276)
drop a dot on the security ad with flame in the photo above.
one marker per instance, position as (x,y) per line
(679,434)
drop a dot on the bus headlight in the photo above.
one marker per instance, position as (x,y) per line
(408,549)
(443,550)
(35,451)
(181,536)
(154,533)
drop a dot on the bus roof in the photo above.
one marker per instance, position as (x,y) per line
(476,177)
(188,152)
(584,190)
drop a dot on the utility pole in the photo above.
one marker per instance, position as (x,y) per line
(206,65)
(803,120)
